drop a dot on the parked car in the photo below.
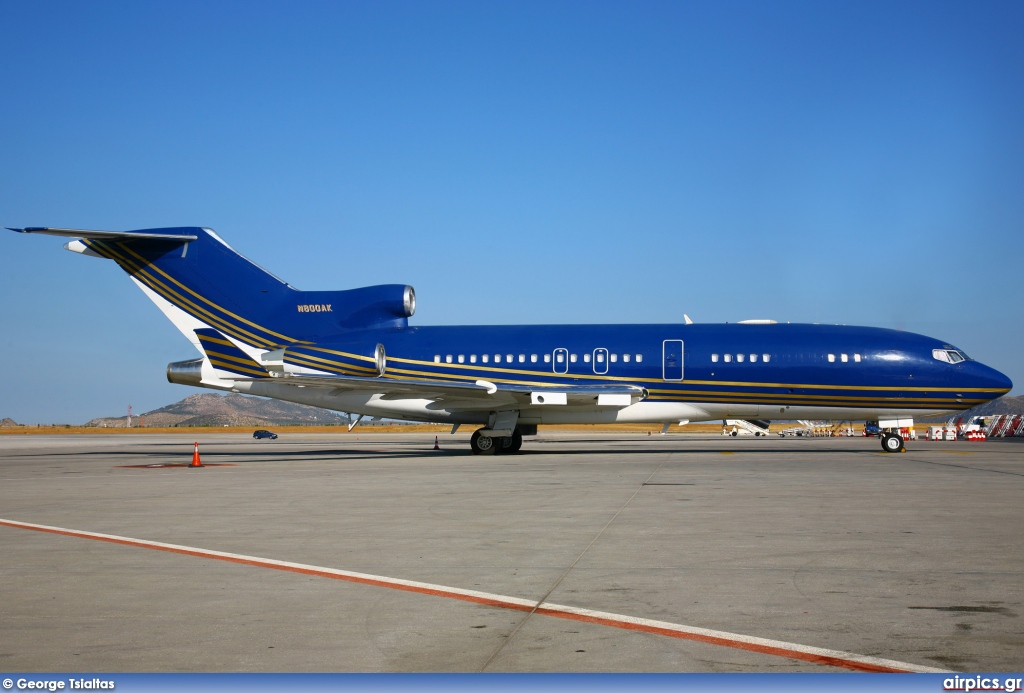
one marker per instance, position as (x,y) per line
(261,434)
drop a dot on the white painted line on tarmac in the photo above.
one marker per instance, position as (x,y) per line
(806,653)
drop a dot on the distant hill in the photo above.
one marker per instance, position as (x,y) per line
(1003,405)
(9,422)
(229,410)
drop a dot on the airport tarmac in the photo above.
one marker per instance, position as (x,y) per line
(585,553)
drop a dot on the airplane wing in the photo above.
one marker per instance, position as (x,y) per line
(482,394)
(106,235)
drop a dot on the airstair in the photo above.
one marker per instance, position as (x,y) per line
(744,427)
(1005,426)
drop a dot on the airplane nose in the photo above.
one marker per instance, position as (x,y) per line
(1004,382)
(990,378)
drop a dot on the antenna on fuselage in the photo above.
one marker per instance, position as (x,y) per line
(686,319)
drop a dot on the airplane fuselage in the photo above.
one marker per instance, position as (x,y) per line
(689,372)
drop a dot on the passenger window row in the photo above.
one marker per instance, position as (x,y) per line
(740,358)
(521,358)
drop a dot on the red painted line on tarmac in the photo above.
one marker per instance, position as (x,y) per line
(815,655)
(826,660)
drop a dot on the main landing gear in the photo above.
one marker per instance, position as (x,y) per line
(892,442)
(505,445)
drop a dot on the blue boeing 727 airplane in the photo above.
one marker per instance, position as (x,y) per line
(354,351)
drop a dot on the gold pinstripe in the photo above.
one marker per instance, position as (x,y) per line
(215,340)
(291,354)
(208,301)
(108,248)
(336,368)
(346,354)
(231,367)
(244,361)
(180,301)
(737,383)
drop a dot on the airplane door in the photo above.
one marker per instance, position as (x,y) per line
(600,361)
(672,359)
(560,362)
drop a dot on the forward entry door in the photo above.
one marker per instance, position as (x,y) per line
(672,359)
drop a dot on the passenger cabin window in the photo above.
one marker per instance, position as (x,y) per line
(448,358)
(714,358)
(437,358)
(739,358)
(559,357)
(831,358)
(727,358)
(522,358)
(625,358)
(639,358)
(766,357)
(533,358)
(508,358)
(586,358)
(462,358)
(497,358)
(472,358)
(547,358)
(485,358)
(753,358)
(856,358)
(844,358)
(572,358)
(614,358)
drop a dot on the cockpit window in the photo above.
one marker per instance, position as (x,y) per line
(950,355)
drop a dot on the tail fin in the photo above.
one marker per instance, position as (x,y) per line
(201,283)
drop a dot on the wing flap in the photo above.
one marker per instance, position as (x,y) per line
(449,394)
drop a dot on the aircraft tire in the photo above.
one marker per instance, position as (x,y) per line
(517,444)
(503,445)
(483,445)
(892,442)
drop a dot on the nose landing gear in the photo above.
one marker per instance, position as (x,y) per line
(892,442)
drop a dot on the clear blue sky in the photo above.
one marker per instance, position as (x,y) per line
(517,162)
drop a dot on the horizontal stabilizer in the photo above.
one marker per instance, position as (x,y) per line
(225,356)
(107,235)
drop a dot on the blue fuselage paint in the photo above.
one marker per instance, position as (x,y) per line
(870,367)
(781,371)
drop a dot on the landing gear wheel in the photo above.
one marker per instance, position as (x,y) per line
(503,445)
(517,443)
(483,445)
(892,442)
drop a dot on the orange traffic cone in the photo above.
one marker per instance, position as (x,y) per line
(196,463)
(436,446)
